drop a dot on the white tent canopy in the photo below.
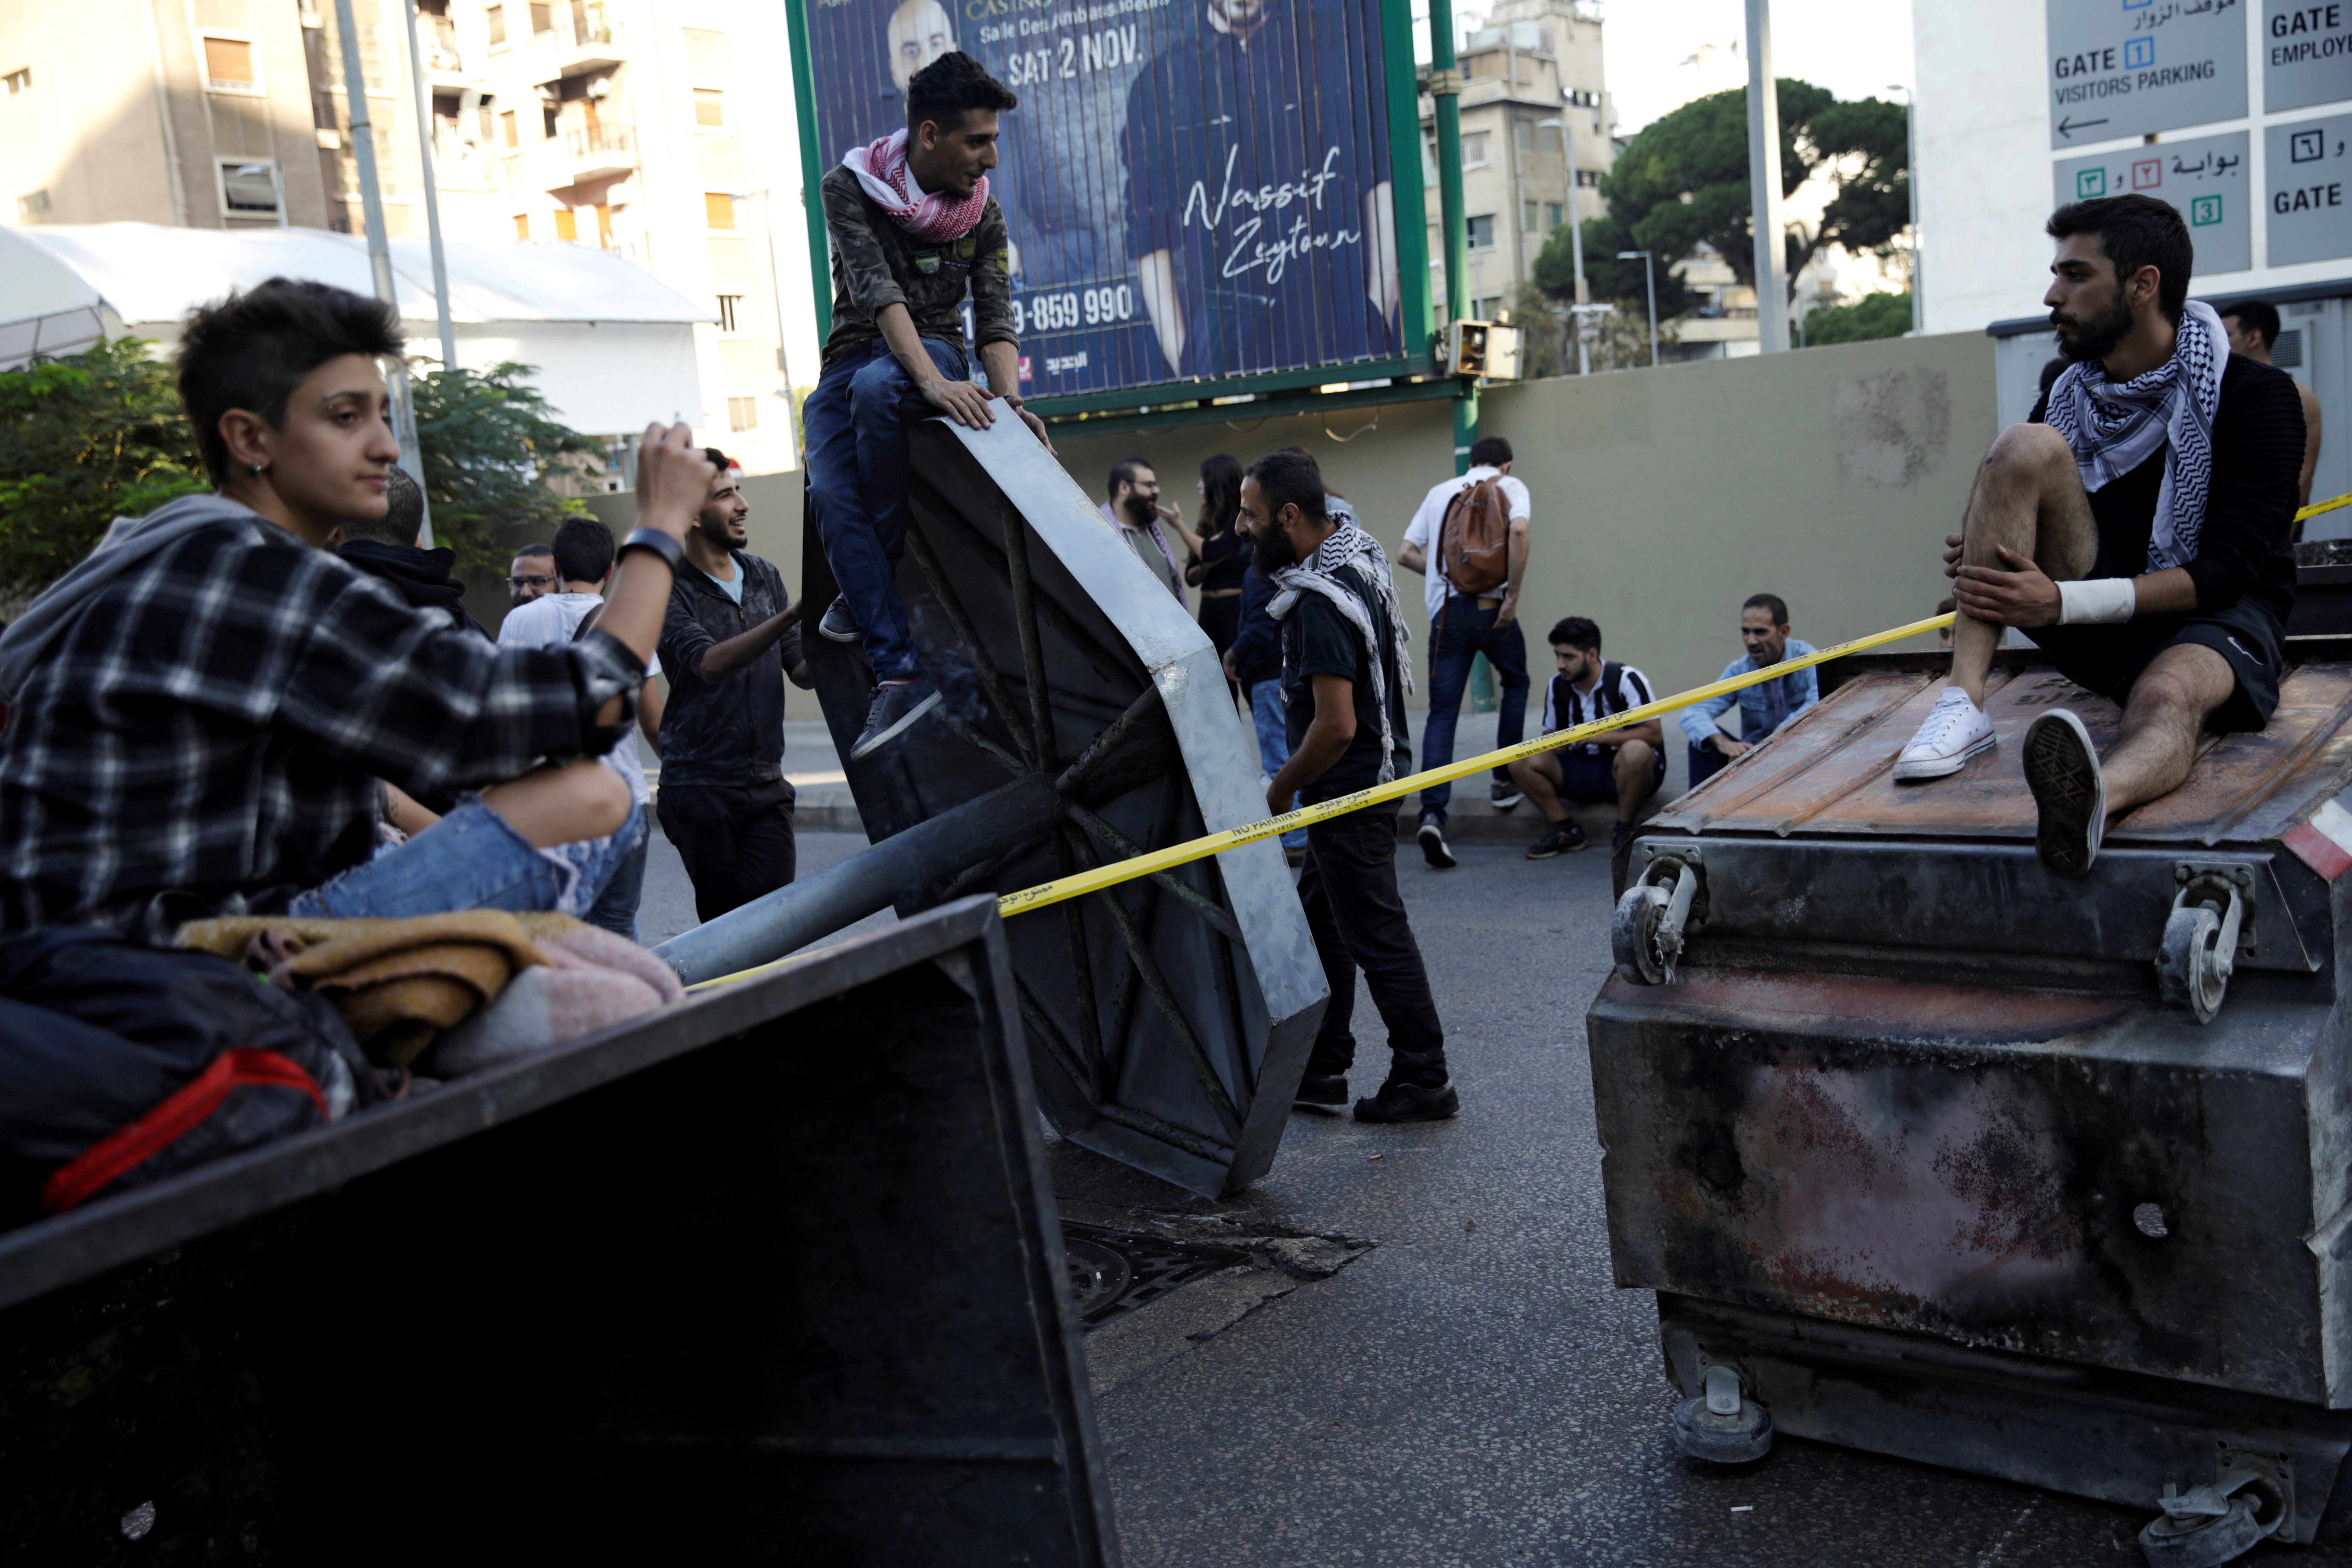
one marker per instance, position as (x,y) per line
(612,344)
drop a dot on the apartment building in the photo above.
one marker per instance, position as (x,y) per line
(624,124)
(1533,61)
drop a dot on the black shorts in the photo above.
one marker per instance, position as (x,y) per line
(2109,659)
(1587,776)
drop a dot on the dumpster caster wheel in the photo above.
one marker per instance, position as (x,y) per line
(2192,972)
(1634,935)
(2201,1542)
(1722,1426)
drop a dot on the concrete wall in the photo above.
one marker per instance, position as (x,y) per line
(1662,498)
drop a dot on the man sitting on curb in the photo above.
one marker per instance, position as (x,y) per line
(2137,525)
(1764,706)
(1587,688)
(201,710)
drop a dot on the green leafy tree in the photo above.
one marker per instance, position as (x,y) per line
(1605,277)
(491,446)
(83,440)
(1872,316)
(1682,182)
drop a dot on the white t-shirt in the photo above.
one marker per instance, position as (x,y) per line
(1431,518)
(550,621)
(1565,707)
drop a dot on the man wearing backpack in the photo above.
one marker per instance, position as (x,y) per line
(1470,540)
(1624,767)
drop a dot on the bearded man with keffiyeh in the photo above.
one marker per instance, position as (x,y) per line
(1345,672)
(2136,526)
(914,229)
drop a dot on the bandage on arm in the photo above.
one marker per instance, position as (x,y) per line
(2100,601)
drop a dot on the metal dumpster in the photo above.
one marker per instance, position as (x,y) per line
(1927,1152)
(770,1277)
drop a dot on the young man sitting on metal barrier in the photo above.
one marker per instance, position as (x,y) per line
(913,226)
(2136,526)
(201,710)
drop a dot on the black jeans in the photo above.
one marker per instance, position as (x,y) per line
(1350,891)
(736,840)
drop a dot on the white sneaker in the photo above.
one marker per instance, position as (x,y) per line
(1956,730)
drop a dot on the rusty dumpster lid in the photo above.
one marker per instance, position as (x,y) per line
(1831,773)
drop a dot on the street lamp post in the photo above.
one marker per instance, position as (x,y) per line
(1649,281)
(1575,244)
(1911,188)
(776,286)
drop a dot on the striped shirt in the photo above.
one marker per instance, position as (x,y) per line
(1620,687)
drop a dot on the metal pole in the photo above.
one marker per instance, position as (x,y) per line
(812,168)
(1764,183)
(783,357)
(362,129)
(1911,188)
(1445,97)
(432,242)
(1575,249)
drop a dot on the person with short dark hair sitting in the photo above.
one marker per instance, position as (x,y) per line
(1764,706)
(202,708)
(2137,524)
(1622,766)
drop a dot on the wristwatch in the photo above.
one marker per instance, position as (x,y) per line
(654,540)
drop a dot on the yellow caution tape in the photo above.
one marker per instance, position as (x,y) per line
(1111,876)
(2316,507)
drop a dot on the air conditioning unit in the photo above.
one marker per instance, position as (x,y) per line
(1482,349)
(599,86)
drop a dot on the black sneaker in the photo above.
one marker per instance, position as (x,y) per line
(1502,794)
(1558,838)
(838,624)
(1433,843)
(1324,1093)
(1409,1103)
(897,705)
(1619,837)
(2062,769)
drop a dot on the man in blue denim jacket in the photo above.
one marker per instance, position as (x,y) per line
(1764,706)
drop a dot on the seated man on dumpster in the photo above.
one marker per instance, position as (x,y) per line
(913,226)
(200,711)
(2136,526)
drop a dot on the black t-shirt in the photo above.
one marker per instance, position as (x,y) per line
(2242,552)
(1317,639)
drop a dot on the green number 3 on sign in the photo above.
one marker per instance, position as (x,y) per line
(2089,183)
(2204,210)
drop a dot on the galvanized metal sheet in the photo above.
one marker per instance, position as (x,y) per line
(1170,1018)
(1832,771)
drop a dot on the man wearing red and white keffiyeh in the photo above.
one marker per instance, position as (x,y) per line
(914,230)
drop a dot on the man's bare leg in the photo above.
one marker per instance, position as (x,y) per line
(2169,703)
(1636,768)
(1539,779)
(2028,496)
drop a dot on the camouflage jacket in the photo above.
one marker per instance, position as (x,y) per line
(877,263)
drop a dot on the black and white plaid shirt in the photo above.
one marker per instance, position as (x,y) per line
(205,734)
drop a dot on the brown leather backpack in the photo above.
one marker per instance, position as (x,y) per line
(1474,542)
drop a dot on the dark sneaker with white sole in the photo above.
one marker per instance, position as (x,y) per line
(1323,1093)
(1432,835)
(1503,796)
(1409,1103)
(839,625)
(2062,769)
(897,704)
(1558,838)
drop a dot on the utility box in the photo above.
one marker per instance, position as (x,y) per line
(1928,1152)
(1487,349)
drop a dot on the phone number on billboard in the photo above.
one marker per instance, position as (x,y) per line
(1080,307)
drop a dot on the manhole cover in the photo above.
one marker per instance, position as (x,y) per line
(1113,1272)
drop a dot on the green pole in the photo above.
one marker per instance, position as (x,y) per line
(1446,94)
(812,167)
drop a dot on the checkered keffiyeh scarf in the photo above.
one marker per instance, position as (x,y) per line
(2114,426)
(1359,555)
(931,218)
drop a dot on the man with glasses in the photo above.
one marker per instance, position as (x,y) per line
(532,573)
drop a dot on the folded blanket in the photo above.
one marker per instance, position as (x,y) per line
(401,984)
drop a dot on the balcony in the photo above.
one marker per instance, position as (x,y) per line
(594,43)
(600,152)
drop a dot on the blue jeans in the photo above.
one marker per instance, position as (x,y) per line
(1272,742)
(1456,639)
(616,908)
(471,859)
(855,423)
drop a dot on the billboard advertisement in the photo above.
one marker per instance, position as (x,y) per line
(1195,189)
